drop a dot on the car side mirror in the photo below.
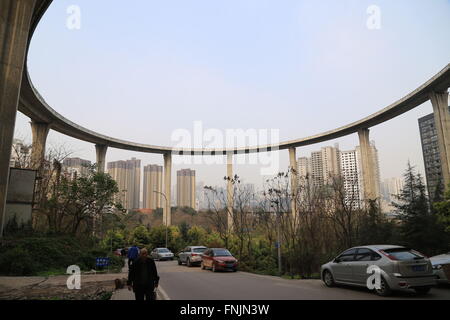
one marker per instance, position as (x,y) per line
(337,260)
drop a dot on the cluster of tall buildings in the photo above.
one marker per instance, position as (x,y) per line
(127,174)
(324,165)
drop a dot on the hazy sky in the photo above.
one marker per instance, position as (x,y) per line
(139,70)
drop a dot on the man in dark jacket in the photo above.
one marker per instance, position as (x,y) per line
(132,255)
(143,277)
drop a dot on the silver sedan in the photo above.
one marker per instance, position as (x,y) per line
(441,267)
(400,268)
(191,255)
(162,254)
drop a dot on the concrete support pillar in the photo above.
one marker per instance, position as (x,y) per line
(230,191)
(294,179)
(15,19)
(442,121)
(39,132)
(167,218)
(100,153)
(367,165)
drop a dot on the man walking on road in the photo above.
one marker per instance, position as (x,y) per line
(133,254)
(143,277)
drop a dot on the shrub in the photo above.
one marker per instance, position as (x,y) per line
(40,254)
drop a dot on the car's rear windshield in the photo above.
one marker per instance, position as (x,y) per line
(163,250)
(222,253)
(403,254)
(199,249)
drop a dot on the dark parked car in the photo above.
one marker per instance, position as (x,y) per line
(219,259)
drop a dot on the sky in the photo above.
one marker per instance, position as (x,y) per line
(143,70)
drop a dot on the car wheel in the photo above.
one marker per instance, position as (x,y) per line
(188,263)
(234,270)
(328,279)
(202,265)
(384,291)
(179,261)
(422,290)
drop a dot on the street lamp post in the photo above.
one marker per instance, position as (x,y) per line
(167,208)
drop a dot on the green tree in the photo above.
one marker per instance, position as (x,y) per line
(197,235)
(114,239)
(442,210)
(158,237)
(184,229)
(419,227)
(140,236)
(85,199)
(375,228)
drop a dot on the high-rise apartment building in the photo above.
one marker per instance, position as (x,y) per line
(321,167)
(431,155)
(76,167)
(390,188)
(317,169)
(127,174)
(304,169)
(351,176)
(153,181)
(186,188)
(330,162)
(201,201)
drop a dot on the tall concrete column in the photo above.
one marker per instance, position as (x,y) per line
(294,179)
(442,121)
(100,153)
(39,132)
(368,167)
(167,217)
(230,191)
(15,19)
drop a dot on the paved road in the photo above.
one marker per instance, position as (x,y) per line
(183,283)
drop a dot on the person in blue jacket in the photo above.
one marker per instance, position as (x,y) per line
(133,254)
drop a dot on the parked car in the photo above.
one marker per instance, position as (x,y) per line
(401,268)
(441,267)
(219,259)
(191,255)
(161,254)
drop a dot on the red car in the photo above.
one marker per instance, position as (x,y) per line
(219,259)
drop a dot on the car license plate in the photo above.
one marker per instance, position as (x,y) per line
(418,268)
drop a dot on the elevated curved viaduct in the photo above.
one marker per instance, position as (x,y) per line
(19,19)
